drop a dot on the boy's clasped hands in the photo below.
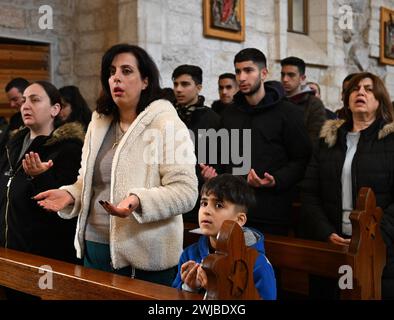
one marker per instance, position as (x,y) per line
(193,275)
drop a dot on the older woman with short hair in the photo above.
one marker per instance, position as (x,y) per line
(353,153)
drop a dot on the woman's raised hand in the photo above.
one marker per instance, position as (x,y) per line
(33,165)
(54,200)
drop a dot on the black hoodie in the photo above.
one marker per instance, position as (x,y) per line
(280,146)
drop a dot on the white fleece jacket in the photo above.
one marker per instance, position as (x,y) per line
(151,240)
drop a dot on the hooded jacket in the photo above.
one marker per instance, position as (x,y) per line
(152,239)
(218,106)
(279,145)
(24,225)
(372,166)
(263,273)
(313,110)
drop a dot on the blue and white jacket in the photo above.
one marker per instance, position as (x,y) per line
(263,273)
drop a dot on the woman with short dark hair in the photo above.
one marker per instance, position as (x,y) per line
(353,153)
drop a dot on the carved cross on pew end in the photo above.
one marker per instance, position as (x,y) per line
(230,268)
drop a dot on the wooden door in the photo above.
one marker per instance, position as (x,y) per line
(29,61)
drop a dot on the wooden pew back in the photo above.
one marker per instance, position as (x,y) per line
(230,268)
(366,254)
(29,273)
(364,258)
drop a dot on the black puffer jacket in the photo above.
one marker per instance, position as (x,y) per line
(24,225)
(279,145)
(372,166)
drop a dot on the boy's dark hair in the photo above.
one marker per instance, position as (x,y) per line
(194,71)
(251,54)
(227,76)
(230,188)
(20,83)
(294,61)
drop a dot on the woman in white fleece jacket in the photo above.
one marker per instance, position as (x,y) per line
(137,175)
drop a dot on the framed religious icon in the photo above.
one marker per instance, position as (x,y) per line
(386,36)
(224,19)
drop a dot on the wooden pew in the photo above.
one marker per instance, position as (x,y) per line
(366,254)
(21,271)
(298,258)
(230,268)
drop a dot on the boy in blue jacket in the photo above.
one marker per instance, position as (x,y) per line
(225,197)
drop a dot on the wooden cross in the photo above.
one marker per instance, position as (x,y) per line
(230,268)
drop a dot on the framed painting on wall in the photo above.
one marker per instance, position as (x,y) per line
(386,36)
(224,19)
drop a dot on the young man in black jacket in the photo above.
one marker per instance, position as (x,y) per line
(303,97)
(227,87)
(198,118)
(279,144)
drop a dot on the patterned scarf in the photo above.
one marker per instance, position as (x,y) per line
(186,112)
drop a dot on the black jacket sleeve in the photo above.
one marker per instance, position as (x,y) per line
(314,222)
(298,148)
(66,163)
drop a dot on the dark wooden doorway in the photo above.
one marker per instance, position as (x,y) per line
(26,59)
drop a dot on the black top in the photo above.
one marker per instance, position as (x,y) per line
(24,225)
(279,145)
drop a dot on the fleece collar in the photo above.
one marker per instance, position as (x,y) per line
(329,131)
(71,130)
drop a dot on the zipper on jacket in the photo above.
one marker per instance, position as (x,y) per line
(6,211)
(11,177)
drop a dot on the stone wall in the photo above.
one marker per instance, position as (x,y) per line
(20,20)
(96,29)
(82,31)
(172,32)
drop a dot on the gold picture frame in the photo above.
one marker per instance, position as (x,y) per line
(224,19)
(386,36)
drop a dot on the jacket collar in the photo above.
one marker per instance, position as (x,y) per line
(329,132)
(274,93)
(67,131)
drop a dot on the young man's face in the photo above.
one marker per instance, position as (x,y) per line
(291,79)
(186,90)
(213,212)
(249,77)
(227,89)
